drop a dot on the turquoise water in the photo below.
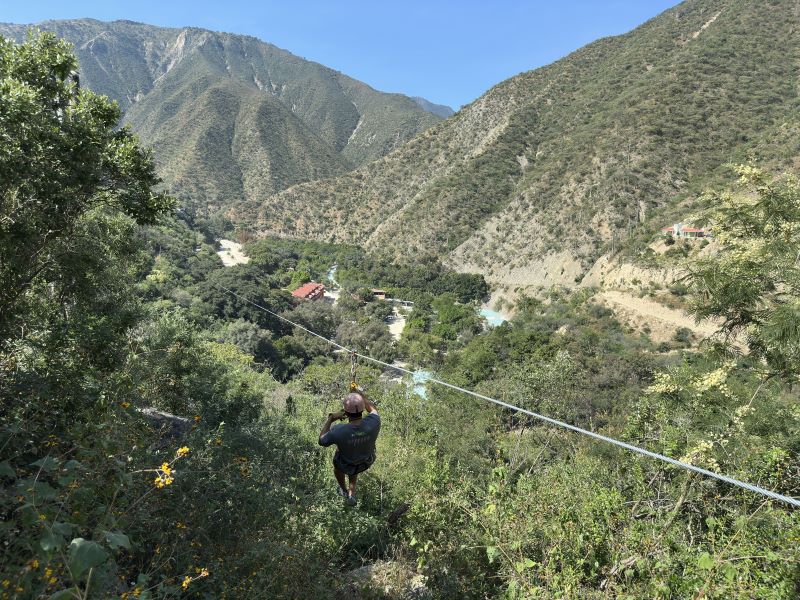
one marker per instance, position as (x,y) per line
(493,318)
(419,380)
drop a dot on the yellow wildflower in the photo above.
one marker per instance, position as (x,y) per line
(43,517)
(180,525)
(34,564)
(663,385)
(164,477)
(186,582)
(48,572)
(700,455)
(52,580)
(126,405)
(162,481)
(5,583)
(182,451)
(197,418)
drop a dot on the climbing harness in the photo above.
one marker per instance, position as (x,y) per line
(597,436)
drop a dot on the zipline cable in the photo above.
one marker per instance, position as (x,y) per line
(353,383)
(274,314)
(562,424)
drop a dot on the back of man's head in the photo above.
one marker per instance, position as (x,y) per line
(353,403)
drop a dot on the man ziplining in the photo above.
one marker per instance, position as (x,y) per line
(355,441)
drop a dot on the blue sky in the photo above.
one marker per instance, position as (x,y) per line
(448,51)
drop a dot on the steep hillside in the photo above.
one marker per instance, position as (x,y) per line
(530,183)
(232,118)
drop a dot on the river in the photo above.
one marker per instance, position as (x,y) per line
(493,318)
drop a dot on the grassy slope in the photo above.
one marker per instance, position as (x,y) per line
(529,182)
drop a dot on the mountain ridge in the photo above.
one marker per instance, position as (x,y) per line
(533,181)
(320,122)
(442,110)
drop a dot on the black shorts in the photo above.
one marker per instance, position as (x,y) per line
(349,469)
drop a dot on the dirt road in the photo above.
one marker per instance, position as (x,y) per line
(397,323)
(662,321)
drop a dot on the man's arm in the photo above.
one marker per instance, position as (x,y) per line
(337,416)
(368,403)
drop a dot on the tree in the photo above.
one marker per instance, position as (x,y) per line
(60,157)
(251,289)
(249,338)
(372,338)
(380,311)
(548,387)
(319,317)
(753,282)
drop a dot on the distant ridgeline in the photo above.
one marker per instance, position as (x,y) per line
(233,119)
(538,177)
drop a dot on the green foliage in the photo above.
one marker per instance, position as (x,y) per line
(752,283)
(679,288)
(251,288)
(372,338)
(172,368)
(62,158)
(683,335)
(408,280)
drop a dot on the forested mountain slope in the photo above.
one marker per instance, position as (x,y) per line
(230,117)
(530,182)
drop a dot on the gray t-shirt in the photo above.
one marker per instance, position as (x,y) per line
(356,443)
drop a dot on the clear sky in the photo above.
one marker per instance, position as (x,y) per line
(448,51)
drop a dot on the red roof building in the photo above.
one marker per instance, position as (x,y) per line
(309,291)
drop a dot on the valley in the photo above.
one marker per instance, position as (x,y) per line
(572,305)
